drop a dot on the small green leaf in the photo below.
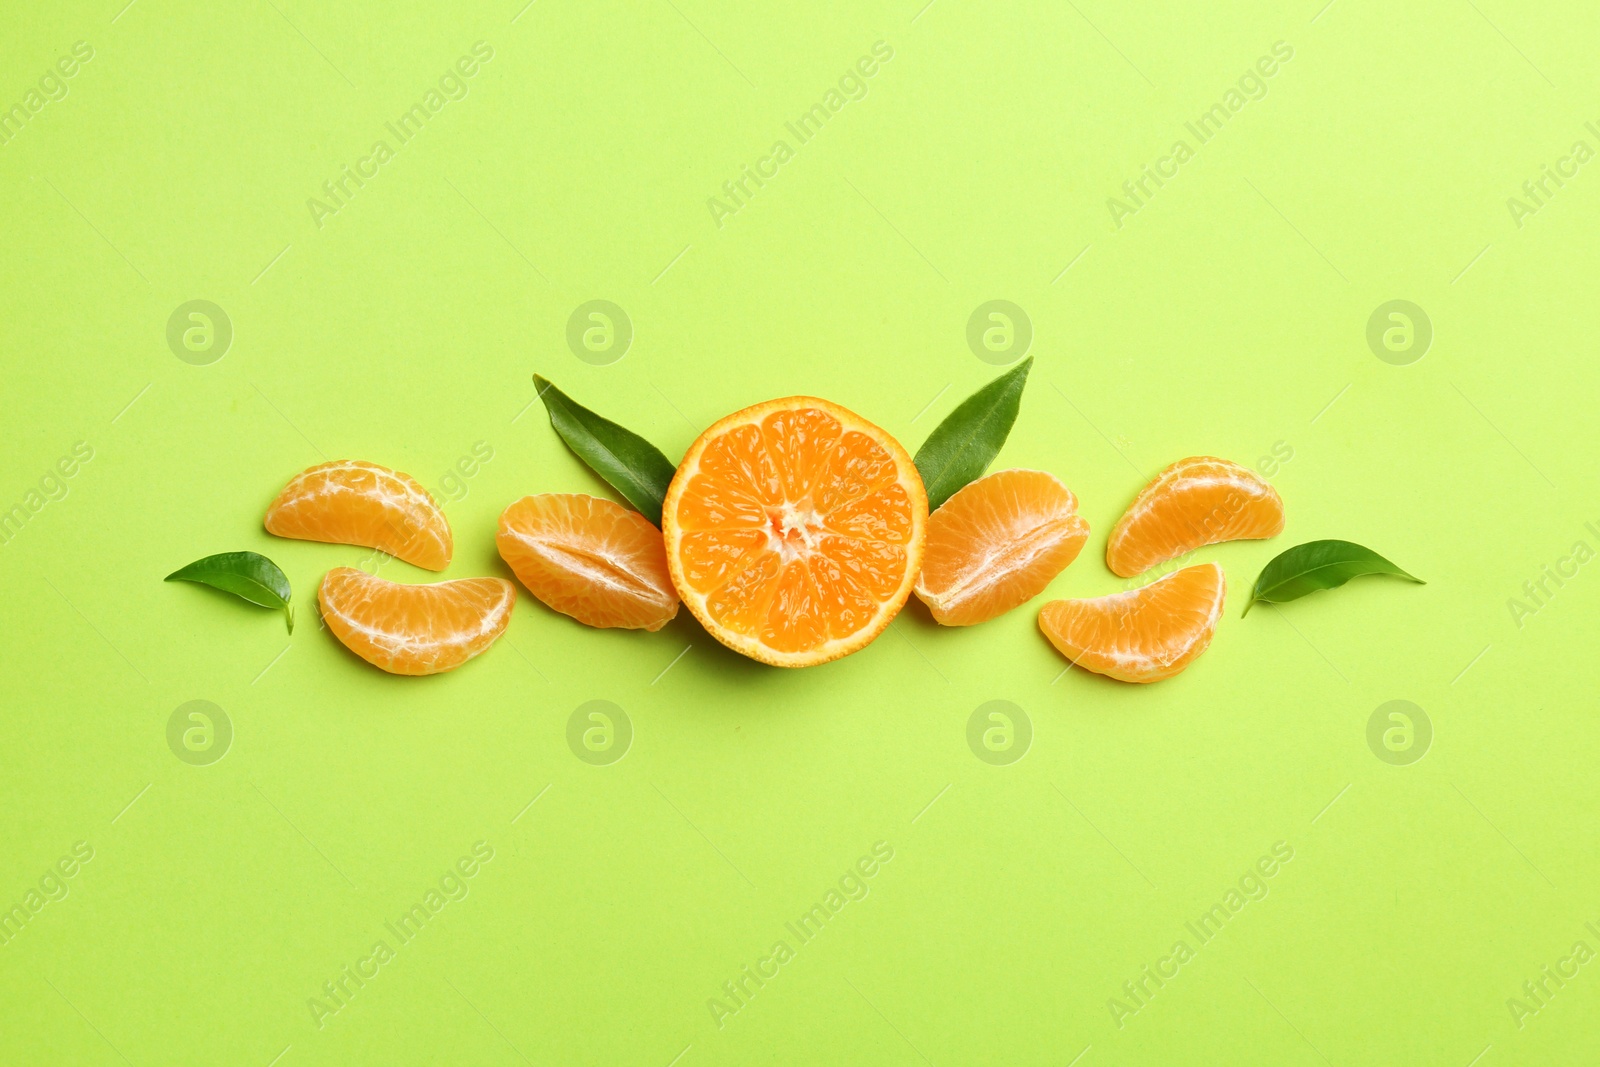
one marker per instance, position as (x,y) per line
(633,466)
(961,447)
(1318,565)
(248,575)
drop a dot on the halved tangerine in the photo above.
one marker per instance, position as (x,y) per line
(997,543)
(1197,501)
(353,502)
(415,629)
(794,530)
(1145,634)
(597,561)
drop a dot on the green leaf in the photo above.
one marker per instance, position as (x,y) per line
(1318,565)
(961,447)
(633,466)
(248,575)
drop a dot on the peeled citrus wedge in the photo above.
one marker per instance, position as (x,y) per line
(415,629)
(996,544)
(1197,501)
(1145,634)
(589,558)
(794,530)
(352,502)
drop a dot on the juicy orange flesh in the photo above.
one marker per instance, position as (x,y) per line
(794,529)
(1197,501)
(997,543)
(1142,635)
(589,558)
(415,629)
(351,502)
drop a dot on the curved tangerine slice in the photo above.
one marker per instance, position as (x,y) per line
(415,629)
(794,530)
(997,543)
(589,558)
(1145,634)
(1197,501)
(352,502)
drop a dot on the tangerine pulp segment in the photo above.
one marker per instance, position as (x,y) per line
(352,502)
(1142,635)
(601,563)
(996,544)
(1197,501)
(415,629)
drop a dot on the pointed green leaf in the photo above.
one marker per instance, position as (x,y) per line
(1318,565)
(961,447)
(248,575)
(633,466)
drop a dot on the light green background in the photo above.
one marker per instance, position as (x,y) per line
(1228,315)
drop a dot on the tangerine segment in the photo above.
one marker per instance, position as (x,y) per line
(415,629)
(997,543)
(589,558)
(352,502)
(1197,501)
(794,530)
(1145,634)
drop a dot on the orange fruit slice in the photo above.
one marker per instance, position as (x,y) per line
(794,530)
(415,629)
(1197,501)
(589,558)
(352,502)
(1143,635)
(996,544)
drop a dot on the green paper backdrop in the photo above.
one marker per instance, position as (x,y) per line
(1199,220)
